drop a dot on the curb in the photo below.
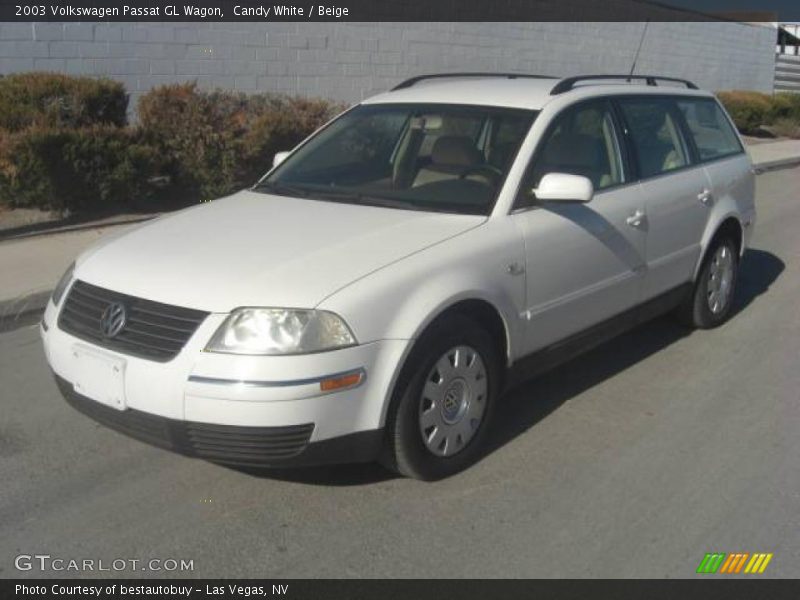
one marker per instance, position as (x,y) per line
(778,163)
(23,309)
(36,230)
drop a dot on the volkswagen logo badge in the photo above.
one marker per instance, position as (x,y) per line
(113,320)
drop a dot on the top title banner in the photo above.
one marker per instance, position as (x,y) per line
(398,10)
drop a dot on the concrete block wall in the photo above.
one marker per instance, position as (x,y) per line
(350,61)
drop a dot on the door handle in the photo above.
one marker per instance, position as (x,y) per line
(636,219)
(705,197)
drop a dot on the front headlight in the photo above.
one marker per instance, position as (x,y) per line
(62,284)
(280,331)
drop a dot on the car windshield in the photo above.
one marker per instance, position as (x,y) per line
(434,157)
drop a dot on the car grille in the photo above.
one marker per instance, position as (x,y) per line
(224,444)
(153,330)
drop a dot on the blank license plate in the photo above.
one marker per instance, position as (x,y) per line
(99,376)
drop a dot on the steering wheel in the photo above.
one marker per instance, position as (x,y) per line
(494,174)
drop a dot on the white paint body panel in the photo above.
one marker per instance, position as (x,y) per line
(254,249)
(676,219)
(548,272)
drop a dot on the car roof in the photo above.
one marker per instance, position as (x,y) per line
(515,92)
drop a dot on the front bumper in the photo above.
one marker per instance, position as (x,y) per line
(287,446)
(251,410)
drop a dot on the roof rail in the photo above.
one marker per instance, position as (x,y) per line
(414,80)
(568,83)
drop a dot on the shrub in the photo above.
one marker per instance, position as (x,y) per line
(749,110)
(55,100)
(64,142)
(99,167)
(786,127)
(217,141)
(279,129)
(785,105)
(196,132)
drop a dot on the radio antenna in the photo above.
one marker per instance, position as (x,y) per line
(636,56)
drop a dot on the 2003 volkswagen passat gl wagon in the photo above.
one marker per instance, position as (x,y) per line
(373,294)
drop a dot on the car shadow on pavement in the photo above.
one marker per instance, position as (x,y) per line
(530,402)
(758,271)
(524,406)
(327,475)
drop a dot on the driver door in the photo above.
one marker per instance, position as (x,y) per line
(585,262)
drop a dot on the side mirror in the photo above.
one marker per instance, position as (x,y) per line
(279,158)
(563,187)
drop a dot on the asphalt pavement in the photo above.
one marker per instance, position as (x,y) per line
(631,461)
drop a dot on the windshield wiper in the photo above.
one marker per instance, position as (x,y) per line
(282,189)
(353,197)
(365,199)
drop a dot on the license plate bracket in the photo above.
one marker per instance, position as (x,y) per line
(99,376)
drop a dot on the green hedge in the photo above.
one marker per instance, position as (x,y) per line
(785,105)
(65,144)
(93,168)
(753,112)
(54,100)
(281,128)
(216,142)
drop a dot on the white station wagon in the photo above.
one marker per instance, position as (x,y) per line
(372,296)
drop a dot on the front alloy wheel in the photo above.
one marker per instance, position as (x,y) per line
(453,401)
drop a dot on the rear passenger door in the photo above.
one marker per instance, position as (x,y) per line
(717,146)
(675,188)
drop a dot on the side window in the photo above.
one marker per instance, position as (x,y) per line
(656,136)
(583,141)
(712,132)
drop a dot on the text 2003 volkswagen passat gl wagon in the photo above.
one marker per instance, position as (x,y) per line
(372,296)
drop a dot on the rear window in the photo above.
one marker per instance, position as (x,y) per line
(713,134)
(656,135)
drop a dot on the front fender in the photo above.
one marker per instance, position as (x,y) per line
(400,300)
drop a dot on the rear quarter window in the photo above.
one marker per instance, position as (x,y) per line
(711,130)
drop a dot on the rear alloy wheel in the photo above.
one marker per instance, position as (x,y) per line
(444,401)
(712,297)
(721,274)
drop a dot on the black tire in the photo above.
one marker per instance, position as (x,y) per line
(406,449)
(696,311)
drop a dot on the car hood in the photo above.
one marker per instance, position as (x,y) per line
(253,249)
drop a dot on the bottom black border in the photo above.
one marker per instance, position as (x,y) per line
(412,589)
